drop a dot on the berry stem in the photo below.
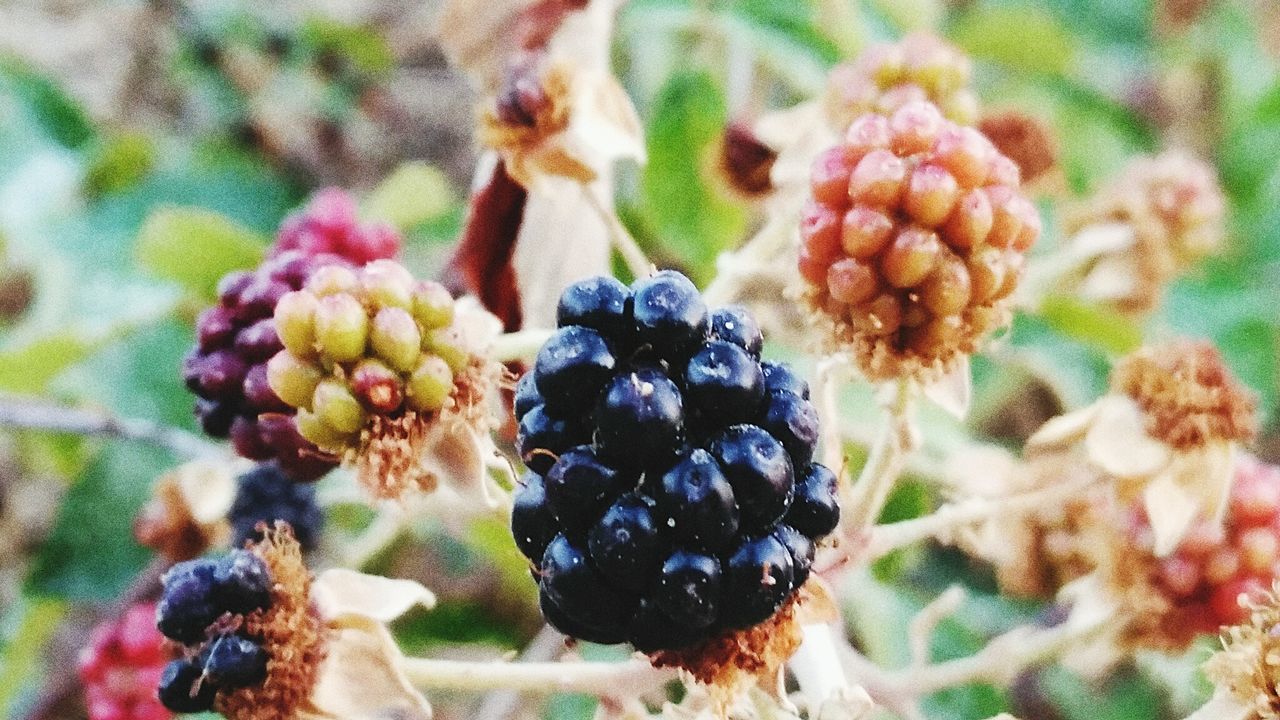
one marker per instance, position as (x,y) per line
(521,345)
(942,523)
(624,679)
(831,373)
(871,491)
(33,414)
(997,663)
(501,704)
(759,257)
(626,245)
(386,528)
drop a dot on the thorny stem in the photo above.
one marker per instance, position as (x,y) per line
(521,345)
(941,523)
(871,491)
(34,414)
(624,679)
(627,246)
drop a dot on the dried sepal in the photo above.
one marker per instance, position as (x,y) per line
(1247,669)
(291,632)
(186,514)
(1188,395)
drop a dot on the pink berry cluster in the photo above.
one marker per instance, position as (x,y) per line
(121,666)
(234,339)
(887,76)
(329,224)
(1201,582)
(914,236)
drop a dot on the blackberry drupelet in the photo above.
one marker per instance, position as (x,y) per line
(670,496)
(265,494)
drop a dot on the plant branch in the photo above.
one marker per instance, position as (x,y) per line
(624,679)
(501,704)
(868,495)
(35,414)
(940,524)
(521,345)
(626,245)
(998,663)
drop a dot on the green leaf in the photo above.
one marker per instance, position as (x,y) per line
(61,117)
(195,247)
(1123,696)
(1024,37)
(454,622)
(26,627)
(412,195)
(1094,325)
(90,554)
(30,368)
(120,163)
(364,48)
(693,219)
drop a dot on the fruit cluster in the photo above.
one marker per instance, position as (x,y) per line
(1175,209)
(912,239)
(887,76)
(670,495)
(1199,585)
(265,495)
(227,370)
(121,665)
(329,225)
(203,604)
(365,343)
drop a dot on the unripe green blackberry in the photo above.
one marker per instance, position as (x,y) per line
(887,76)
(372,352)
(913,238)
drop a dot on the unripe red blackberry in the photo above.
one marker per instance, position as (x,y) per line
(913,238)
(229,372)
(329,225)
(121,665)
(1196,590)
(671,501)
(371,349)
(887,76)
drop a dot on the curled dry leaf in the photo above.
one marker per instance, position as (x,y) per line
(187,511)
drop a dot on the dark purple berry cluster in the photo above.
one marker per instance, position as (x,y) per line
(265,495)
(227,370)
(671,494)
(200,597)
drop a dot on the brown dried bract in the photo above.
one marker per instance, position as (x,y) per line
(165,525)
(390,458)
(290,631)
(530,109)
(1188,394)
(1026,140)
(726,661)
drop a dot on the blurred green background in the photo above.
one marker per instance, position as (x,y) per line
(148,147)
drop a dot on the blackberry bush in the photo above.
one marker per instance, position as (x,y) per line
(121,665)
(671,495)
(265,495)
(913,239)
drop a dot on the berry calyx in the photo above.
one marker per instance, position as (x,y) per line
(664,458)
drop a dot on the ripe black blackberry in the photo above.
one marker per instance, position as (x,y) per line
(265,494)
(671,495)
(198,596)
(227,370)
